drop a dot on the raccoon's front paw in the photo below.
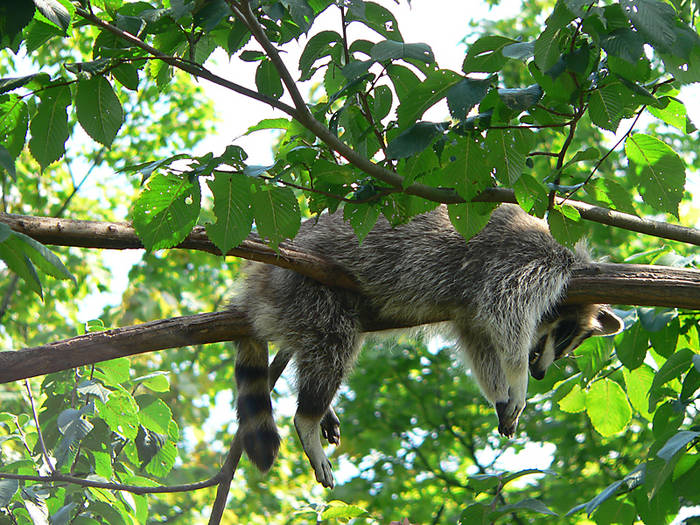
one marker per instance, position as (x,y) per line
(508,415)
(330,427)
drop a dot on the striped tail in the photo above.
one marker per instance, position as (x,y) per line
(255,423)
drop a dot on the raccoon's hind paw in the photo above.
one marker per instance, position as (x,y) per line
(508,415)
(330,427)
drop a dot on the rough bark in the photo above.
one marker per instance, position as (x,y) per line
(598,283)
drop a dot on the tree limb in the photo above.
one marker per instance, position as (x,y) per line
(597,283)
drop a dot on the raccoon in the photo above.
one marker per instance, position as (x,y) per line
(501,290)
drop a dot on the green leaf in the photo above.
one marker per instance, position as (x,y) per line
(605,106)
(362,218)
(234,214)
(655,20)
(318,46)
(547,48)
(433,89)
(674,114)
(269,123)
(391,50)
(157,381)
(267,79)
(166,211)
(466,94)
(660,172)
(115,371)
(276,213)
(574,401)
(8,488)
(154,414)
(55,12)
(676,443)
(15,19)
(564,229)
(637,383)
(531,194)
(341,510)
(673,368)
(607,407)
(468,170)
(120,413)
(98,109)
(625,43)
(14,118)
(470,217)
(379,19)
(485,55)
(49,127)
(414,140)
(631,347)
(508,149)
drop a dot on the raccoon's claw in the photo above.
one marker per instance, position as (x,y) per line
(330,427)
(508,415)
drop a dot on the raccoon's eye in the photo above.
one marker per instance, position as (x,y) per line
(536,352)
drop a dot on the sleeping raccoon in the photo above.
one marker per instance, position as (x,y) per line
(501,290)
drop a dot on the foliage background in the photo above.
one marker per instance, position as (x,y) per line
(419,440)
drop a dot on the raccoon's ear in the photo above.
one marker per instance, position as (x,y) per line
(607,323)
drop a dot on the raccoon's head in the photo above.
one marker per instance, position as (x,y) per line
(565,329)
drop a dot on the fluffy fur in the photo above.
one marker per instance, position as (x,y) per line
(501,290)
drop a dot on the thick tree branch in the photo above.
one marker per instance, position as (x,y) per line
(597,283)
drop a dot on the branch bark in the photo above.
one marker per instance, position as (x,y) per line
(597,283)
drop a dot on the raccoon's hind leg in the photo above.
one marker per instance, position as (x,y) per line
(327,340)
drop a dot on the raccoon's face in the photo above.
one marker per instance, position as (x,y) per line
(564,330)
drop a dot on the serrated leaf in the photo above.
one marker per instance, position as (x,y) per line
(674,114)
(166,211)
(267,79)
(631,348)
(120,413)
(468,170)
(605,106)
(8,488)
(379,19)
(564,229)
(433,89)
(20,264)
(485,55)
(276,213)
(49,127)
(154,414)
(519,50)
(574,401)
(234,214)
(341,510)
(547,48)
(508,149)
(660,172)
(637,383)
(269,123)
(157,381)
(531,194)
(55,12)
(318,46)
(14,119)
(414,140)
(392,50)
(655,20)
(7,163)
(362,218)
(469,218)
(40,255)
(673,368)
(607,407)
(466,94)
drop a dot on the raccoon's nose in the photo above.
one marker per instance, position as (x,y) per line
(537,373)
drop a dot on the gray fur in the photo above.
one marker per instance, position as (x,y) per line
(501,290)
